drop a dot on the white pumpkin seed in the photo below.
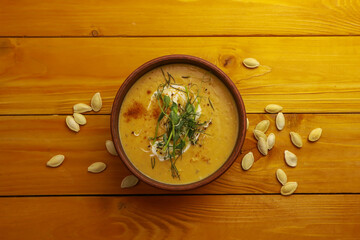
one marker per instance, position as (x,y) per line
(296,139)
(273,108)
(55,161)
(290,158)
(281,176)
(263,126)
(247,123)
(262,146)
(258,134)
(79,118)
(96,102)
(271,141)
(81,108)
(247,161)
(110,147)
(280,121)
(315,134)
(289,188)
(251,63)
(97,167)
(70,122)
(129,181)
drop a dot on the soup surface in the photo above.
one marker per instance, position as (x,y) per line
(178,124)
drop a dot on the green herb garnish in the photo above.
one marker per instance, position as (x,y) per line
(211,104)
(179,121)
(153,162)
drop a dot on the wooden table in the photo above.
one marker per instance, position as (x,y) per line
(54,54)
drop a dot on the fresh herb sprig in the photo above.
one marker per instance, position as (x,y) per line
(180,121)
(153,162)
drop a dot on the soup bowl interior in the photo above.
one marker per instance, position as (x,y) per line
(177,59)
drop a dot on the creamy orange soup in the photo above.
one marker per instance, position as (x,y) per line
(205,132)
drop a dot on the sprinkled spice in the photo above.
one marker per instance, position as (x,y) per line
(136,110)
(155,113)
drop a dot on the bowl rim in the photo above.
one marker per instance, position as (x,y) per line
(177,59)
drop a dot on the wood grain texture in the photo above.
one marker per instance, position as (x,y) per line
(304,74)
(182,217)
(183,17)
(330,165)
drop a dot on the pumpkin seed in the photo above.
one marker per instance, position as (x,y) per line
(296,139)
(70,122)
(258,134)
(290,158)
(273,108)
(251,63)
(247,161)
(97,167)
(110,147)
(280,121)
(79,118)
(247,123)
(96,102)
(262,146)
(81,108)
(289,188)
(129,181)
(263,126)
(315,134)
(55,161)
(271,141)
(281,176)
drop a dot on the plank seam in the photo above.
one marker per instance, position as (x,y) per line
(181,36)
(171,194)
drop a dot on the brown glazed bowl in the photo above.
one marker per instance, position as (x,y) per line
(171,59)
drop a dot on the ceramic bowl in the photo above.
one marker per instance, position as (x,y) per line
(173,59)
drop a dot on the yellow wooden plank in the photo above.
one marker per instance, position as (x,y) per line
(181,217)
(169,18)
(304,74)
(330,165)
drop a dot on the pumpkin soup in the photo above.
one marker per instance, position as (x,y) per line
(178,124)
